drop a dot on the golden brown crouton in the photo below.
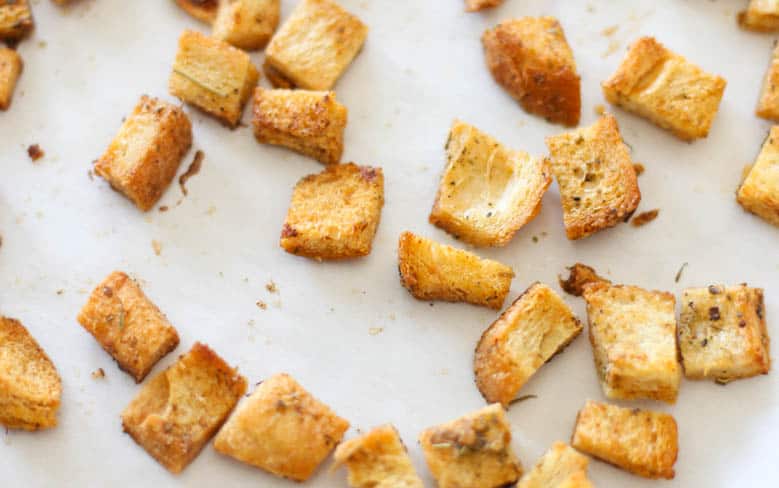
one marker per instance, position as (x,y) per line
(598,183)
(580,276)
(473,450)
(15,19)
(30,388)
(560,466)
(128,325)
(759,192)
(334,214)
(722,333)
(247,24)
(768,105)
(529,333)
(476,5)
(642,442)
(314,46)
(433,271)
(487,191)
(204,10)
(180,409)
(282,429)
(531,59)
(665,88)
(309,122)
(760,16)
(10,69)
(144,156)
(213,76)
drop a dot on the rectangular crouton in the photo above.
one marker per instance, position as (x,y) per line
(768,105)
(476,5)
(314,46)
(309,122)
(531,59)
(144,156)
(15,19)
(433,271)
(334,214)
(180,409)
(665,88)
(282,429)
(213,76)
(760,16)
(10,69)
(560,466)
(759,192)
(30,387)
(633,336)
(642,442)
(247,24)
(723,334)
(203,10)
(529,333)
(597,179)
(487,192)
(128,325)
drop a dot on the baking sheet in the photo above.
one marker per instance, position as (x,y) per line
(422,66)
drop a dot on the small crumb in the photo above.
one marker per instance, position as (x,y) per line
(262,305)
(157,247)
(645,217)
(163,208)
(60,291)
(35,152)
(613,47)
(580,276)
(271,287)
(211,210)
(91,174)
(375,330)
(609,31)
(98,374)
(42,44)
(600,110)
(194,168)
(639,168)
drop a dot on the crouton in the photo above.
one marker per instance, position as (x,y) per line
(633,337)
(665,88)
(577,479)
(642,442)
(309,122)
(580,276)
(30,387)
(487,191)
(15,19)
(180,409)
(722,333)
(10,69)
(334,214)
(598,183)
(476,5)
(768,105)
(433,271)
(282,429)
(760,16)
(531,59)
(213,76)
(203,10)
(560,466)
(378,459)
(473,450)
(247,24)
(128,325)
(529,333)
(144,156)
(314,46)
(759,192)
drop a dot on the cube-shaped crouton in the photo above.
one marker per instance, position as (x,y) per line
(204,10)
(633,336)
(487,191)
(282,429)
(722,333)
(759,192)
(309,122)
(665,88)
(247,24)
(314,46)
(760,16)
(144,156)
(531,59)
(597,179)
(433,271)
(560,466)
(180,409)
(334,214)
(473,450)
(30,387)
(768,105)
(529,333)
(213,76)
(476,5)
(10,69)
(128,325)
(15,19)
(642,442)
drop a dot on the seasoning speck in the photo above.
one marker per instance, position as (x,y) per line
(98,374)
(714,313)
(35,152)
(679,273)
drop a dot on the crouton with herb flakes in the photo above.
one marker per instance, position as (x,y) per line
(487,191)
(476,5)
(203,10)
(768,105)
(561,466)
(246,24)
(15,19)
(10,69)
(760,16)
(759,192)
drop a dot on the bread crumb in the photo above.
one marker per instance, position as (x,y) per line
(613,47)
(60,291)
(194,168)
(35,152)
(157,247)
(271,287)
(645,217)
(580,276)
(262,305)
(163,208)
(600,109)
(639,168)
(375,330)
(98,374)
(609,31)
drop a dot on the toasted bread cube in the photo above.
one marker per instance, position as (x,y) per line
(144,156)
(529,333)
(760,16)
(723,334)
(309,122)
(247,24)
(597,179)
(181,408)
(531,59)
(128,325)
(203,10)
(633,337)
(560,466)
(768,105)
(213,76)
(759,192)
(433,271)
(642,442)
(665,88)
(282,429)
(314,46)
(487,191)
(15,19)
(476,5)
(30,387)
(473,450)
(10,69)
